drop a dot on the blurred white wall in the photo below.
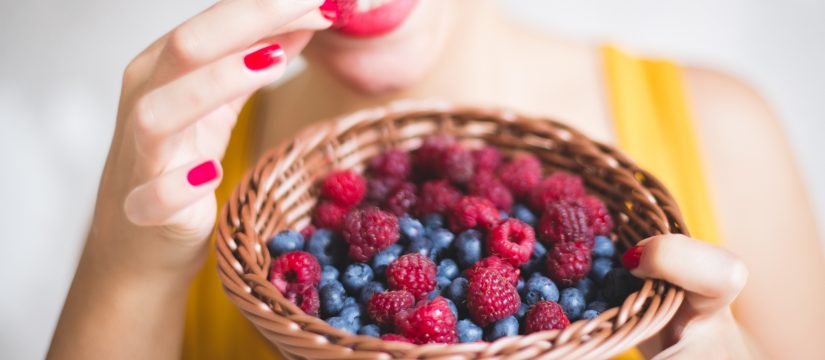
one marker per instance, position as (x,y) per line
(60,66)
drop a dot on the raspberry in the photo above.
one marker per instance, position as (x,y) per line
(394,163)
(429,322)
(507,271)
(436,196)
(382,307)
(412,272)
(402,199)
(487,185)
(512,241)
(545,315)
(329,215)
(428,157)
(344,188)
(307,231)
(521,174)
(378,188)
(565,221)
(487,159)
(457,164)
(559,186)
(293,268)
(368,231)
(598,218)
(490,297)
(471,212)
(305,296)
(395,337)
(568,263)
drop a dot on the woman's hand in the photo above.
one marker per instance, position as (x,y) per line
(704,328)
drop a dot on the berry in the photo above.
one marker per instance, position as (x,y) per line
(429,156)
(448,269)
(594,309)
(603,247)
(401,199)
(507,271)
(342,324)
(457,292)
(436,196)
(537,260)
(568,263)
(565,221)
(344,188)
(329,273)
(452,306)
(430,321)
(599,218)
(393,163)
(540,288)
(379,188)
(520,175)
(456,164)
(522,310)
(589,314)
(559,186)
(352,313)
(600,268)
(329,215)
(468,332)
(440,284)
(332,296)
(503,215)
(442,240)
(382,307)
(504,327)
(473,212)
(468,248)
(384,258)
(305,296)
(395,337)
(368,232)
(308,231)
(618,284)
(326,247)
(284,242)
(488,186)
(524,214)
(520,285)
(293,268)
(491,297)
(433,221)
(545,315)
(410,227)
(487,159)
(587,286)
(356,276)
(412,272)
(349,300)
(512,241)
(369,290)
(572,302)
(422,246)
(370,330)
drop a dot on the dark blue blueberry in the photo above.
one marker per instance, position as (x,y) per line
(618,284)
(384,258)
(442,239)
(603,247)
(352,313)
(441,283)
(325,247)
(356,276)
(522,310)
(421,245)
(329,273)
(540,288)
(284,242)
(434,221)
(340,323)
(599,268)
(457,292)
(468,331)
(468,248)
(594,309)
(504,327)
(369,289)
(572,302)
(536,262)
(349,300)
(332,297)
(589,314)
(587,286)
(370,330)
(453,308)
(410,228)
(524,214)
(520,285)
(448,269)
(503,215)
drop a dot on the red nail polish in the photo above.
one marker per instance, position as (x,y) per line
(330,10)
(202,173)
(264,58)
(631,258)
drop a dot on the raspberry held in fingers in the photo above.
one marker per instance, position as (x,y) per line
(264,58)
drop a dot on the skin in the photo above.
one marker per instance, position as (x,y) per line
(151,228)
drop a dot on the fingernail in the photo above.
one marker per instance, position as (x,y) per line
(202,173)
(631,258)
(330,10)
(264,58)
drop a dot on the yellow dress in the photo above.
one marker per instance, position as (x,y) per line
(653,125)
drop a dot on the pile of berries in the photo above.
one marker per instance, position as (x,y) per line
(448,244)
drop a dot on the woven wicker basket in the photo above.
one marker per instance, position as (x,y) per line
(280,192)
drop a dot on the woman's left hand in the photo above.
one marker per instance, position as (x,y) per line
(704,328)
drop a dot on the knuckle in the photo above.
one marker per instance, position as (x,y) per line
(737,275)
(131,73)
(268,7)
(183,45)
(144,117)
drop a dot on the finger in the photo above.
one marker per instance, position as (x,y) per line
(157,201)
(711,275)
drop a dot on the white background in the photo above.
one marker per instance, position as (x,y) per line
(60,66)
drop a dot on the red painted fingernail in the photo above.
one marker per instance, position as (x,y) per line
(202,173)
(330,10)
(631,258)
(264,58)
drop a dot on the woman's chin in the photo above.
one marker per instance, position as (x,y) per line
(378,72)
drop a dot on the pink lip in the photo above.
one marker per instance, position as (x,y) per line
(378,21)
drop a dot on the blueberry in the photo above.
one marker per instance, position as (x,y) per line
(421,245)
(329,273)
(603,247)
(356,276)
(468,248)
(503,215)
(332,296)
(457,291)
(537,260)
(589,314)
(284,242)
(441,283)
(540,288)
(522,310)
(447,268)
(325,247)
(342,324)
(504,327)
(520,285)
(370,330)
(369,289)
(453,308)
(434,221)
(410,227)
(587,287)
(349,300)
(468,331)
(594,309)
(384,258)
(618,284)
(599,268)
(352,313)
(572,302)
(442,239)
(524,214)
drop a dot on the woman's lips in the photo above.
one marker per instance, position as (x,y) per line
(376,21)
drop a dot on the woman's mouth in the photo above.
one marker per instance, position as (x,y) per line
(368,18)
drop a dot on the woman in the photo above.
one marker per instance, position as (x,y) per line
(180,101)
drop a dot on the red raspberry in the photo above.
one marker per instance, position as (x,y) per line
(402,199)
(412,272)
(512,241)
(395,337)
(296,267)
(305,296)
(565,221)
(561,185)
(494,263)
(308,231)
(436,196)
(490,297)
(521,175)
(382,307)
(545,315)
(471,212)
(344,188)
(568,262)
(428,157)
(379,188)
(598,218)
(487,159)
(488,186)
(368,231)
(429,322)
(394,163)
(457,164)
(329,215)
